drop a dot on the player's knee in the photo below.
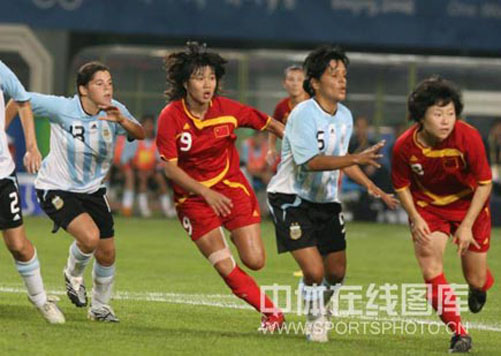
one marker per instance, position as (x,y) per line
(313,275)
(105,257)
(335,277)
(475,280)
(254,263)
(89,241)
(19,248)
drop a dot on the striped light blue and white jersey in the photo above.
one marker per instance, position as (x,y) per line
(81,145)
(309,132)
(10,85)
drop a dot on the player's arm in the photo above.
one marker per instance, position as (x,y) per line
(219,203)
(419,228)
(32,158)
(114,114)
(275,128)
(329,163)
(11,111)
(358,176)
(272,154)
(464,235)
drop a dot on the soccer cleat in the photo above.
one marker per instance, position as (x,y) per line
(272,323)
(51,312)
(75,290)
(103,313)
(317,329)
(460,344)
(476,300)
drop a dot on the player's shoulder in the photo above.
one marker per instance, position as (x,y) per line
(119,105)
(406,139)
(283,103)
(344,112)
(172,111)
(219,102)
(465,129)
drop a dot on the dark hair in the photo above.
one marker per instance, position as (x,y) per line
(181,65)
(292,68)
(317,62)
(434,90)
(86,73)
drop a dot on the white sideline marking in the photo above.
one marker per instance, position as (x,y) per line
(227,301)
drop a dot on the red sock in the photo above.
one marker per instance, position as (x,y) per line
(489,281)
(449,312)
(244,287)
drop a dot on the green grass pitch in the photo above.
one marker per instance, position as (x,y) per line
(170,301)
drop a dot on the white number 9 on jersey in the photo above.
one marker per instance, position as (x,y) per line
(187,225)
(185,141)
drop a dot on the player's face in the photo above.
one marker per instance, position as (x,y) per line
(332,83)
(202,85)
(99,89)
(293,82)
(438,121)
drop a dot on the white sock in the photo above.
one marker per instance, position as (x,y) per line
(128,199)
(166,204)
(329,291)
(142,199)
(30,273)
(312,300)
(77,261)
(103,277)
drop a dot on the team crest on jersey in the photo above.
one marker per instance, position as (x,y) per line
(295,231)
(107,134)
(221,131)
(58,202)
(418,169)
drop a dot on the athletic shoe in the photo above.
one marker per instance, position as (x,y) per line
(317,329)
(102,313)
(51,312)
(460,344)
(75,290)
(272,323)
(476,300)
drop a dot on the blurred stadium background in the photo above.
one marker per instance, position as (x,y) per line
(392,45)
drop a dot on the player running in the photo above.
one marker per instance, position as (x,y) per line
(442,177)
(11,216)
(303,195)
(70,183)
(196,138)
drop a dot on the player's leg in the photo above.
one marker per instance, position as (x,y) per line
(28,266)
(142,196)
(247,240)
(103,272)
(440,295)
(474,263)
(86,235)
(214,247)
(103,276)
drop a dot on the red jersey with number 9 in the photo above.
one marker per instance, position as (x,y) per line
(205,149)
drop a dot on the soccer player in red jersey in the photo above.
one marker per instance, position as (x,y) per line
(443,180)
(196,139)
(293,85)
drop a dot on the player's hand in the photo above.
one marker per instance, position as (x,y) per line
(218,202)
(371,155)
(389,199)
(32,160)
(420,230)
(272,157)
(112,114)
(463,238)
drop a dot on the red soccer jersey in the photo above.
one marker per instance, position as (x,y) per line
(282,110)
(205,149)
(443,177)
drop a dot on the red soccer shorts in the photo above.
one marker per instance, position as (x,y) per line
(440,220)
(198,218)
